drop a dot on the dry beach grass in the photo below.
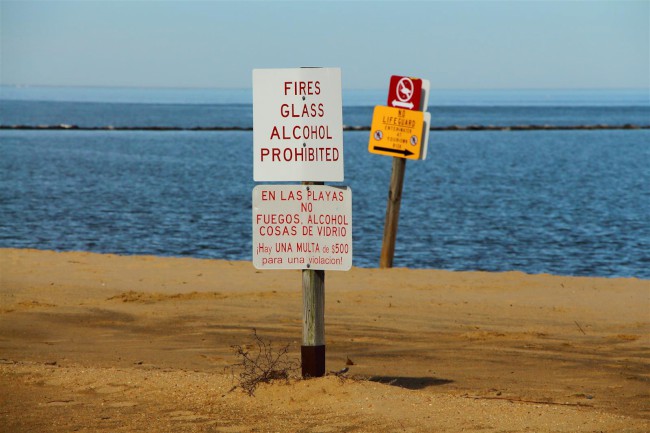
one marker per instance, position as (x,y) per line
(106,343)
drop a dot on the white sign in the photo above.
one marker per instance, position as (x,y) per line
(297,125)
(302,227)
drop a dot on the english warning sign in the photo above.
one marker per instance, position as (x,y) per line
(399,132)
(297,125)
(302,227)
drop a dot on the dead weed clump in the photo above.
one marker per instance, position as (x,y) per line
(260,363)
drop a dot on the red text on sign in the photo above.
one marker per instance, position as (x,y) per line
(289,154)
(307,132)
(307,110)
(301,88)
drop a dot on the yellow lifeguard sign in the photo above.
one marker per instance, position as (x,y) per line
(399,132)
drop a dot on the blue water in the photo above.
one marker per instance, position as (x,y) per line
(560,202)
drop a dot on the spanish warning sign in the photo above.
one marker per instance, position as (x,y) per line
(399,132)
(302,227)
(297,125)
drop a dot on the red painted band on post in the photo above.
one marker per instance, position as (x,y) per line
(313,361)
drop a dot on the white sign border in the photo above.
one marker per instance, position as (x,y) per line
(268,96)
(342,208)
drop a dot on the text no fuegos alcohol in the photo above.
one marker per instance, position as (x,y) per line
(302,227)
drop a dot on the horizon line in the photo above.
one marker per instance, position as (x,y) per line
(370,89)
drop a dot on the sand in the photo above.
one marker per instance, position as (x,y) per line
(106,343)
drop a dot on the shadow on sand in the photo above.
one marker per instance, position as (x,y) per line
(410,382)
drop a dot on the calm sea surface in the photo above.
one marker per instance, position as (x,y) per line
(560,202)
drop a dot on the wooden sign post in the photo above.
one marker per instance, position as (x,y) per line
(312,350)
(392,213)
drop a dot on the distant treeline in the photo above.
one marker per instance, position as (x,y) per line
(345,128)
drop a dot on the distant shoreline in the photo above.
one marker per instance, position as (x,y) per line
(66,127)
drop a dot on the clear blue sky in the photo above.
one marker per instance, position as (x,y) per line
(216,44)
